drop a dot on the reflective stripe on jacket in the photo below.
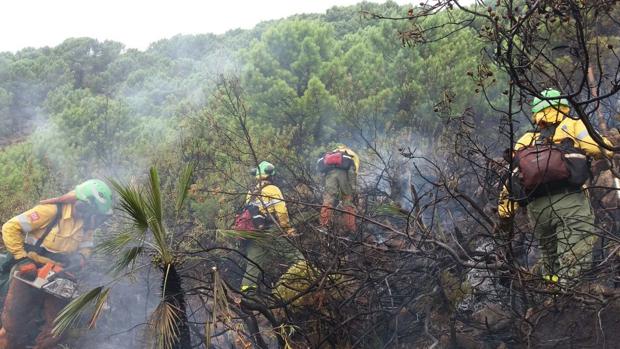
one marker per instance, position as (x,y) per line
(270,201)
(567,128)
(66,237)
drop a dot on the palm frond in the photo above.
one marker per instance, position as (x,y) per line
(183,186)
(116,243)
(71,313)
(220,308)
(154,197)
(210,324)
(246,234)
(390,209)
(156,223)
(159,235)
(127,258)
(163,323)
(133,204)
(99,305)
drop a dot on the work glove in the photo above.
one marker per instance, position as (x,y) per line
(25,265)
(291,232)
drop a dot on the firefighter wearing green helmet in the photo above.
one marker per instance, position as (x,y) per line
(551,164)
(267,209)
(57,231)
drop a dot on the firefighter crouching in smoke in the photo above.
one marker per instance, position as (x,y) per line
(59,231)
(551,164)
(339,168)
(265,208)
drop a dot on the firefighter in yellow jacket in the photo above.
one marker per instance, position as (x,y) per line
(340,175)
(272,212)
(59,231)
(561,214)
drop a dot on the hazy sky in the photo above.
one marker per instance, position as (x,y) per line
(137,23)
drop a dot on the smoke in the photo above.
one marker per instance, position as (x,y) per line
(117,132)
(388,167)
(132,299)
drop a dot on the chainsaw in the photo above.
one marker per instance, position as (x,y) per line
(50,278)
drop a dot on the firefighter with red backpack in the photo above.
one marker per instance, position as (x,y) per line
(339,168)
(56,232)
(550,166)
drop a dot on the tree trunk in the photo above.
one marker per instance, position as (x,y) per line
(173,295)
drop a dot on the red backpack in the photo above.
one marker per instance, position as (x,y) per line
(541,164)
(243,221)
(545,163)
(334,159)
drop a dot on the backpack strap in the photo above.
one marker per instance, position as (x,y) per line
(6,267)
(48,229)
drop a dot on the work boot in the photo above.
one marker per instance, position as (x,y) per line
(4,343)
(11,342)
(326,216)
(348,219)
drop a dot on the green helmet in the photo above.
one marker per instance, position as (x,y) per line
(96,193)
(265,169)
(550,100)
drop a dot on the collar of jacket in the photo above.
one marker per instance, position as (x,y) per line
(550,116)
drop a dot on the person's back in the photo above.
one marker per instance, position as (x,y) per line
(268,199)
(551,165)
(340,168)
(271,211)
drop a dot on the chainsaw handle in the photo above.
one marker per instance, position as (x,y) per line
(27,268)
(46,269)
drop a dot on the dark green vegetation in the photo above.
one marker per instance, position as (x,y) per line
(87,108)
(427,267)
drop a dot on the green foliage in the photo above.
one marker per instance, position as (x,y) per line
(91,132)
(6,122)
(208,107)
(23,177)
(96,109)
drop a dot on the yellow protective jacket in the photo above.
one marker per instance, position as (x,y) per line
(270,201)
(567,128)
(352,154)
(67,236)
